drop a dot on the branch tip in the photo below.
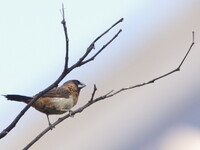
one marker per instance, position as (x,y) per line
(122,19)
(95,87)
(63,14)
(192,36)
(91,47)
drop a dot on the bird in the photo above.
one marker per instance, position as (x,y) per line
(56,101)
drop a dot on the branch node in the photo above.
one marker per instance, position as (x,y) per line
(122,19)
(91,47)
(152,81)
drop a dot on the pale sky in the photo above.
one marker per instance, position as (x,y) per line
(155,36)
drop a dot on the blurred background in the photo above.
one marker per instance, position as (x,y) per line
(156,35)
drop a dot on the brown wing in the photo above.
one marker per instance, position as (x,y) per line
(57,92)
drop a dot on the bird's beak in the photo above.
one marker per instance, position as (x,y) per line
(81,85)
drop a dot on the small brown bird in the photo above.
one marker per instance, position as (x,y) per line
(56,101)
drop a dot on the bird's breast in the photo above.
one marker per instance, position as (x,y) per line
(63,103)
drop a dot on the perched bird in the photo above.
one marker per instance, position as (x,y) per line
(56,101)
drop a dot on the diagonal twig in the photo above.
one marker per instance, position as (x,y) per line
(105,96)
(103,47)
(81,61)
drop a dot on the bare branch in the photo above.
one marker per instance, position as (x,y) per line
(92,46)
(65,71)
(103,47)
(93,43)
(105,96)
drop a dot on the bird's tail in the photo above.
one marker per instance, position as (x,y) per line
(18,98)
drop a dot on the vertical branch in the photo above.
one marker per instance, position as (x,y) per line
(63,22)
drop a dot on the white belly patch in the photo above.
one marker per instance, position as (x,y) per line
(63,103)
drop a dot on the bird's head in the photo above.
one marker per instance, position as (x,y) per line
(74,84)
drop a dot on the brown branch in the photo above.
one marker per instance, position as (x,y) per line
(65,71)
(105,96)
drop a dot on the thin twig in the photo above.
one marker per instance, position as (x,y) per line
(66,37)
(187,52)
(93,93)
(105,96)
(92,45)
(103,47)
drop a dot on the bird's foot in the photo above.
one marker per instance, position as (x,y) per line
(71,113)
(51,126)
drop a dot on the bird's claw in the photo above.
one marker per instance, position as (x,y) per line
(51,126)
(71,113)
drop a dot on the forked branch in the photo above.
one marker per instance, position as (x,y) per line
(93,100)
(82,60)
